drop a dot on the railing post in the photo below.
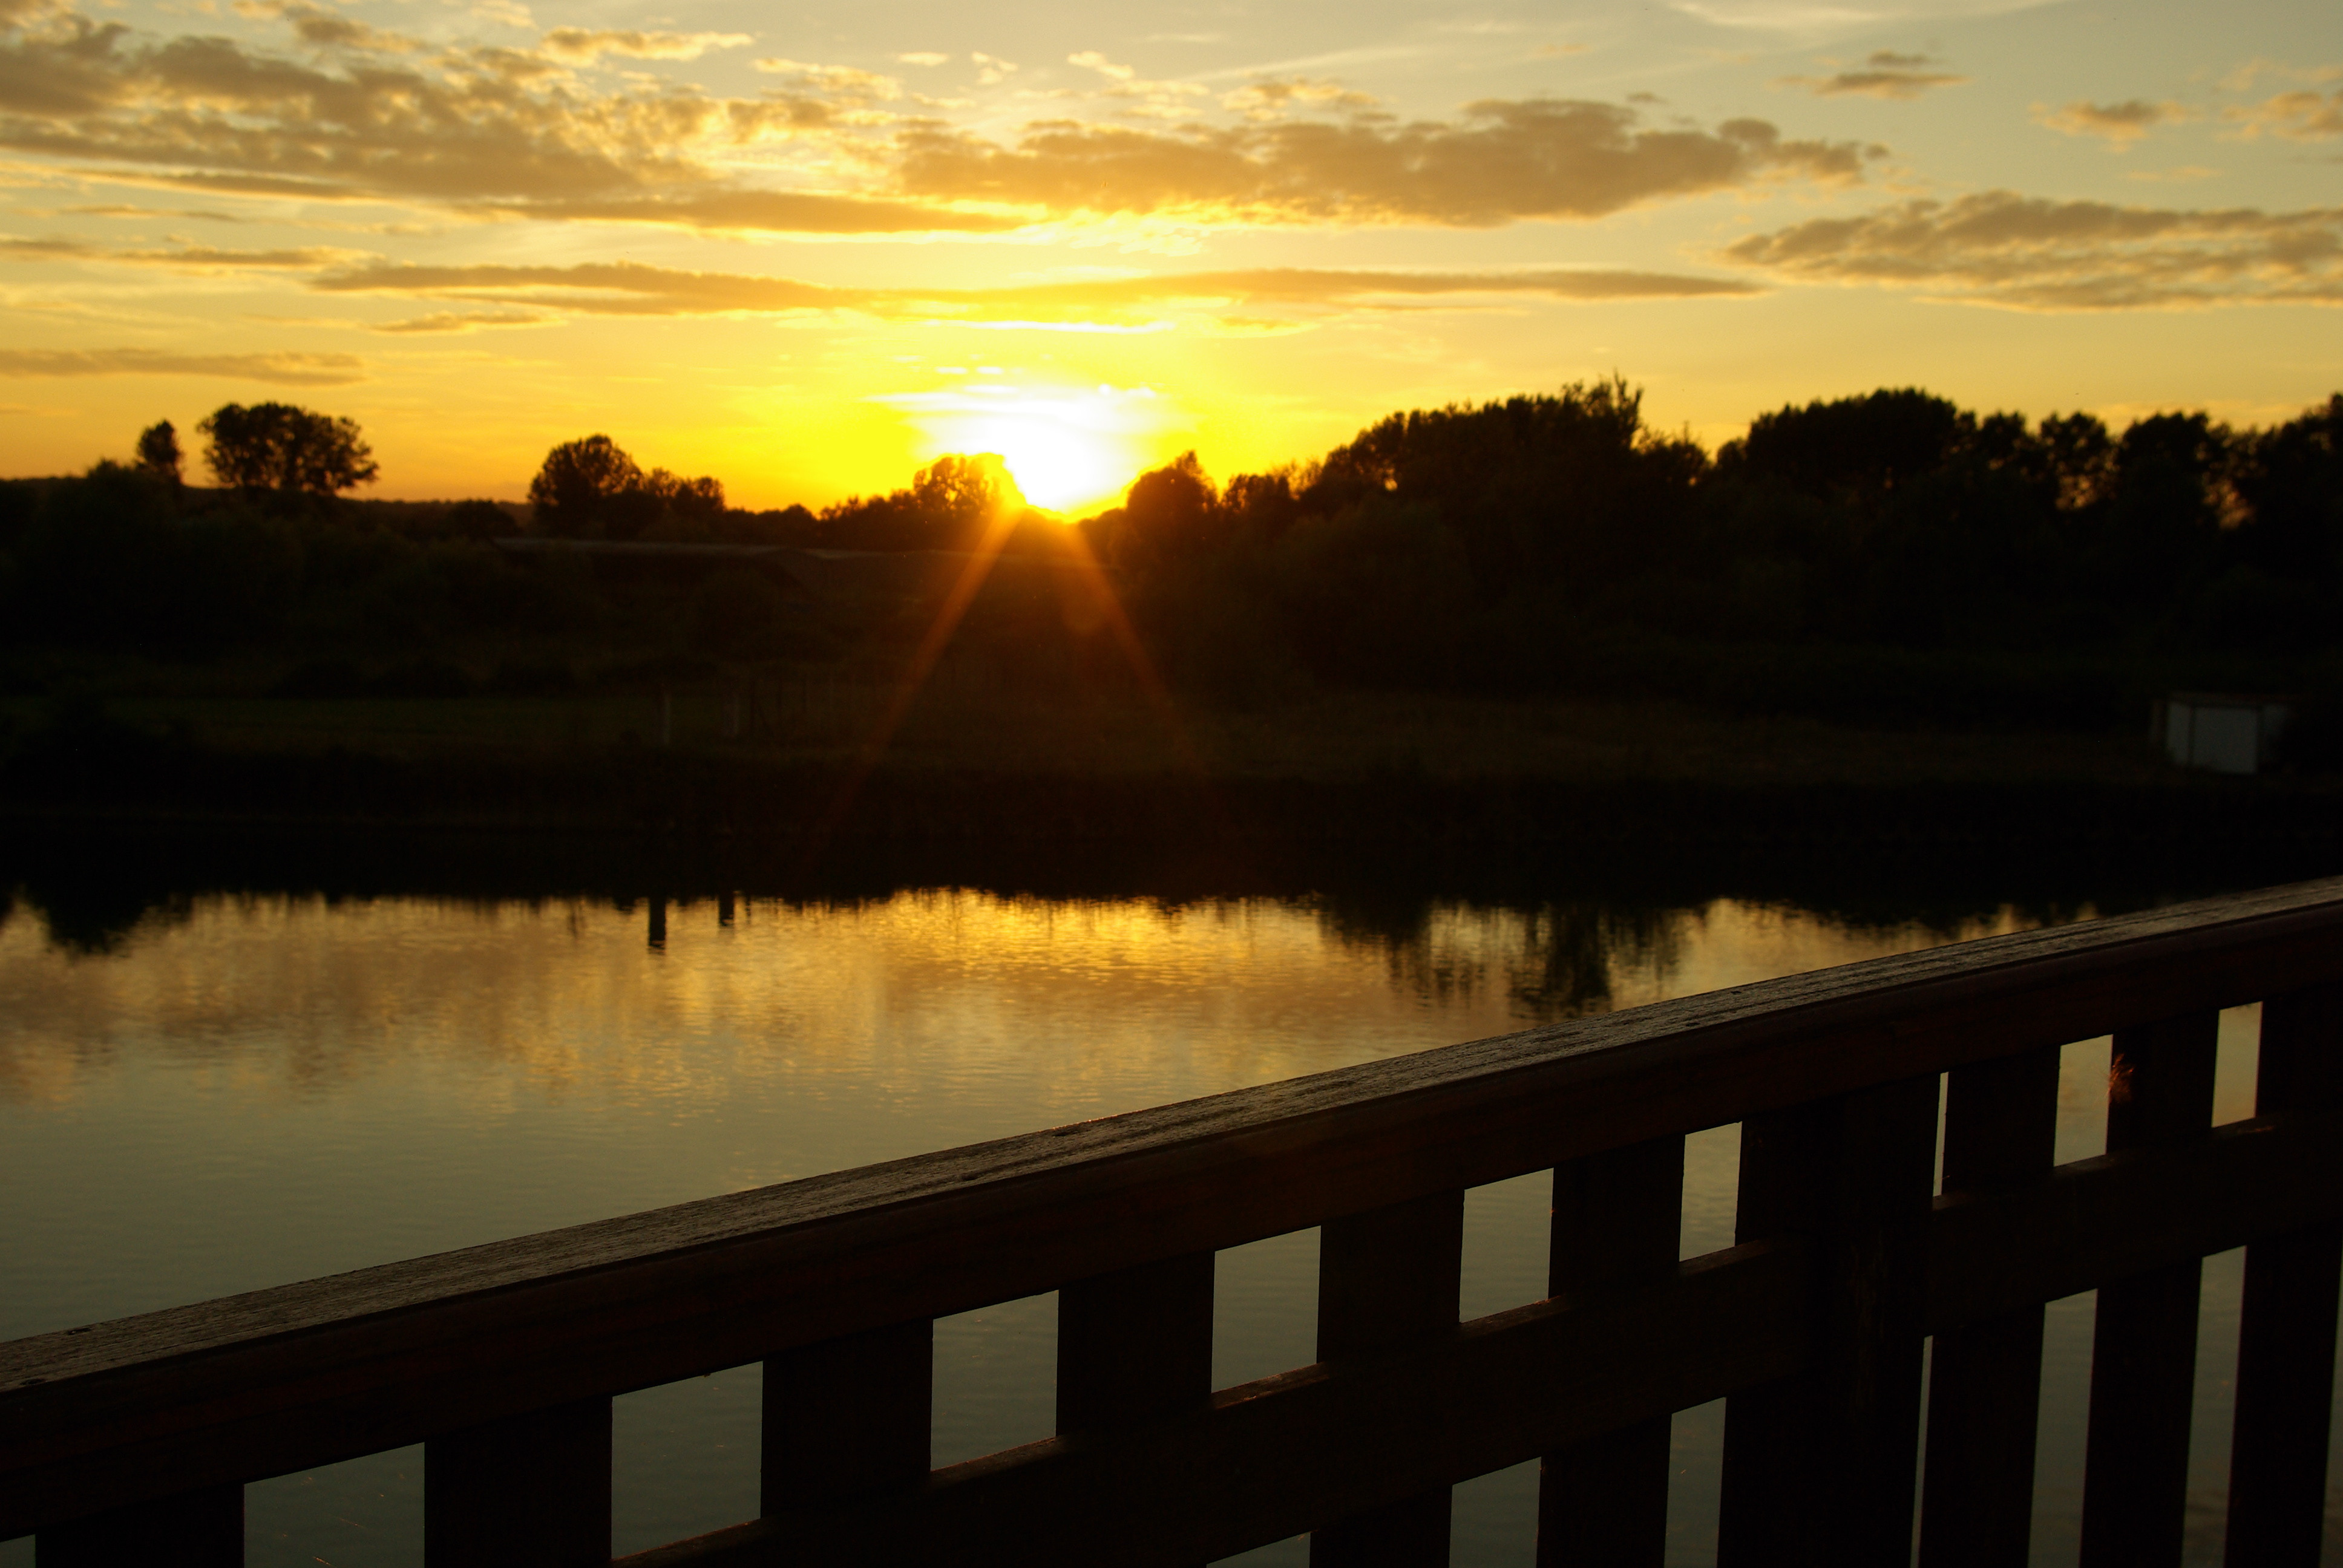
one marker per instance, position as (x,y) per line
(1618,1219)
(849,1417)
(532,1490)
(2285,1337)
(1133,1346)
(2144,1345)
(1985,1380)
(1819,1467)
(1387,1283)
(193,1529)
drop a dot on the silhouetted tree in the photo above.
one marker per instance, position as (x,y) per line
(1566,488)
(949,506)
(592,489)
(1855,449)
(2293,490)
(158,452)
(1168,514)
(576,485)
(278,447)
(2080,456)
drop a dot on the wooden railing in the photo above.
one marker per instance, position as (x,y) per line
(130,1442)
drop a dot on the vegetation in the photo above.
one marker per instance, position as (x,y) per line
(1889,559)
(590,489)
(277,448)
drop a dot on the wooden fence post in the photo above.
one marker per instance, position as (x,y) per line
(532,1490)
(1985,1380)
(1618,1220)
(849,1417)
(2286,1339)
(1387,1283)
(2143,1346)
(193,1529)
(1819,1467)
(1134,1346)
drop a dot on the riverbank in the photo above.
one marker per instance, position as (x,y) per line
(1112,796)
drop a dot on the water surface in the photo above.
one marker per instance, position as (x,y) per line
(234,1091)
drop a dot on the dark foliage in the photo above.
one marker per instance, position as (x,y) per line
(1884,559)
(949,504)
(158,452)
(1880,558)
(282,449)
(591,489)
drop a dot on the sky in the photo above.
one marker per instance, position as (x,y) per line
(807,249)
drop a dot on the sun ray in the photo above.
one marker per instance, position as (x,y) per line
(999,522)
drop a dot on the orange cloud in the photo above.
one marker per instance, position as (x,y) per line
(2119,124)
(632,288)
(500,129)
(2297,117)
(278,369)
(584,44)
(1885,74)
(2031,252)
(1503,161)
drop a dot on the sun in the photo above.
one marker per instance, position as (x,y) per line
(1057,468)
(1070,451)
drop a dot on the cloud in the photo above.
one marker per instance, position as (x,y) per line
(488,130)
(185,257)
(324,29)
(2297,117)
(150,213)
(631,288)
(1275,97)
(465,321)
(476,128)
(1999,247)
(1885,74)
(1503,161)
(274,369)
(1092,60)
(579,43)
(764,211)
(924,57)
(2243,78)
(850,82)
(2120,125)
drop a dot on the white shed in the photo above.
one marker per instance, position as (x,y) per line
(2222,731)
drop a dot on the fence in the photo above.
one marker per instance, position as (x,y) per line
(130,1442)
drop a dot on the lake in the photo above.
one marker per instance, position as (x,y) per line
(206,1091)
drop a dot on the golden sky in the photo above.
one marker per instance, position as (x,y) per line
(806,250)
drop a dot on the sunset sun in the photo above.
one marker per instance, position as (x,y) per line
(1069,450)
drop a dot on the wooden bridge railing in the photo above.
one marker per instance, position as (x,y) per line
(130,1442)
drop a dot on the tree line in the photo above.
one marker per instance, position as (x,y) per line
(1529,541)
(1885,554)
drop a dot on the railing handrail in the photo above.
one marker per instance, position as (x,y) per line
(327,1369)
